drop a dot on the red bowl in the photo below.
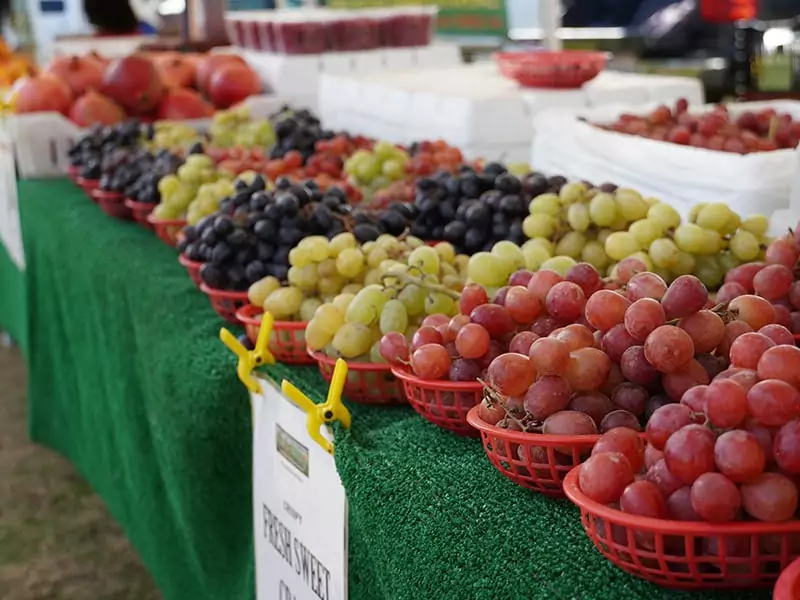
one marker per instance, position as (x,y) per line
(111,203)
(88,185)
(225,302)
(367,383)
(140,211)
(167,229)
(193,268)
(687,554)
(540,69)
(533,460)
(443,403)
(287,342)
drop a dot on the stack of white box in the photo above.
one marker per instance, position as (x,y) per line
(296,78)
(473,107)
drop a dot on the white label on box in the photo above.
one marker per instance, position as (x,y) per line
(10,228)
(299,506)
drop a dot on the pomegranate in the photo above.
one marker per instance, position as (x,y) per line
(176,72)
(134,83)
(42,93)
(93,108)
(79,73)
(210,64)
(181,103)
(233,83)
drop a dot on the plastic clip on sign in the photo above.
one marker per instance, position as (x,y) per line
(331,410)
(318,414)
(250,359)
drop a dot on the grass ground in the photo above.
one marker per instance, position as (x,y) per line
(57,539)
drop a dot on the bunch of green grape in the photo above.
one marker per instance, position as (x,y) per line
(235,128)
(602,227)
(170,135)
(194,191)
(376,169)
(351,294)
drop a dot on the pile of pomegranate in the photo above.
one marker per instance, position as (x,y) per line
(158,86)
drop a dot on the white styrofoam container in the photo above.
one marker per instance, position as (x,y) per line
(41,140)
(300,74)
(111,47)
(682,175)
(789,217)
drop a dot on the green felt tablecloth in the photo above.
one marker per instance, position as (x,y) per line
(128,380)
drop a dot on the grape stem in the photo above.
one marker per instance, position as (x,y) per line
(720,309)
(493,398)
(407,279)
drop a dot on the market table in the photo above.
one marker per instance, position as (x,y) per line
(129,381)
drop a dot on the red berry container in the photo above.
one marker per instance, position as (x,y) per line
(88,186)
(234,29)
(193,268)
(688,554)
(408,26)
(112,203)
(350,31)
(300,32)
(535,461)
(367,383)
(166,229)
(567,69)
(287,342)
(225,302)
(788,586)
(140,211)
(443,403)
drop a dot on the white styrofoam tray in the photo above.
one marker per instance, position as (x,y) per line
(300,74)
(41,141)
(682,175)
(471,106)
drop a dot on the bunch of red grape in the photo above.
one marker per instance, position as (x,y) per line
(728,451)
(717,129)
(774,279)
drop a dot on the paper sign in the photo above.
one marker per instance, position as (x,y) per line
(10,229)
(299,506)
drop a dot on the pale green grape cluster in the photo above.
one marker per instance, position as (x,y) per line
(169,135)
(351,294)
(235,128)
(377,169)
(194,191)
(581,224)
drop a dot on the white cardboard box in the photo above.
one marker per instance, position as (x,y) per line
(471,106)
(682,175)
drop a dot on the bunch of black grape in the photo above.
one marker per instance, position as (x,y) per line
(297,130)
(475,209)
(150,170)
(253,232)
(89,151)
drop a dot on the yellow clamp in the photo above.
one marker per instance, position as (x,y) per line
(250,359)
(331,410)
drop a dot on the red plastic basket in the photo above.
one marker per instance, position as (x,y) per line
(443,403)
(287,342)
(533,460)
(367,383)
(167,229)
(112,203)
(193,268)
(788,586)
(140,211)
(225,302)
(688,554)
(541,69)
(88,186)
(73,172)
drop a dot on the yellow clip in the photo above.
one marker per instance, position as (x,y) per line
(331,410)
(250,359)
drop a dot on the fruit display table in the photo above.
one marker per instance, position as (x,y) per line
(132,384)
(474,107)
